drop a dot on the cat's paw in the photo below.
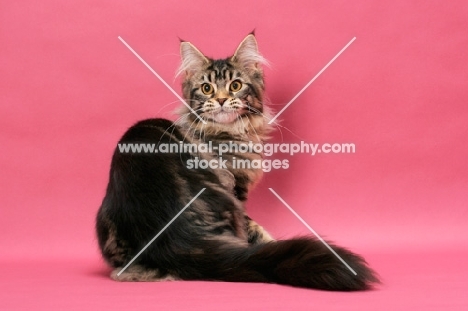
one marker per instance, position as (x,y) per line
(256,233)
(140,274)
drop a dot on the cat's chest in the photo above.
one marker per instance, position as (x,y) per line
(238,157)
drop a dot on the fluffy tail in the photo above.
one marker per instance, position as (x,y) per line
(302,262)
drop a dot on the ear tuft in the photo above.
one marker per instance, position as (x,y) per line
(192,59)
(247,54)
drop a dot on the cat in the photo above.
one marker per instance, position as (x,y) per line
(213,239)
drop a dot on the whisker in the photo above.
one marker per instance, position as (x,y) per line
(277,124)
(238,117)
(188,130)
(183,140)
(255,131)
(258,112)
(174,123)
(171,103)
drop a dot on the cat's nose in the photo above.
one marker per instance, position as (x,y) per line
(221,100)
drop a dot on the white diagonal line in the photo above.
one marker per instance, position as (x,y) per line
(310,82)
(161,79)
(160,232)
(312,230)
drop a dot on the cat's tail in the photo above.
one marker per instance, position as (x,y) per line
(302,262)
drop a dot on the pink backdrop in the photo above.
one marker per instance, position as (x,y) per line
(69,88)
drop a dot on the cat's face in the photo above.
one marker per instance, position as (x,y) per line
(226,91)
(221,92)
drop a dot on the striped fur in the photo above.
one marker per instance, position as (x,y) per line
(213,239)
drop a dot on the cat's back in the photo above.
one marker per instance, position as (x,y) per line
(148,129)
(142,187)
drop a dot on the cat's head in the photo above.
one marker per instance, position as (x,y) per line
(226,93)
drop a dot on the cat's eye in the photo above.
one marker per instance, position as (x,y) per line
(207,88)
(235,86)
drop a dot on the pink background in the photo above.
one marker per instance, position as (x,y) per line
(69,89)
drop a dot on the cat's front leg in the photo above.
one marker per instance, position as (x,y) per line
(256,233)
(246,181)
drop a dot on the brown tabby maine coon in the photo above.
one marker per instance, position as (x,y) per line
(213,239)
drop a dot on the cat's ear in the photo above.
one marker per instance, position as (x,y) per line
(247,54)
(192,59)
